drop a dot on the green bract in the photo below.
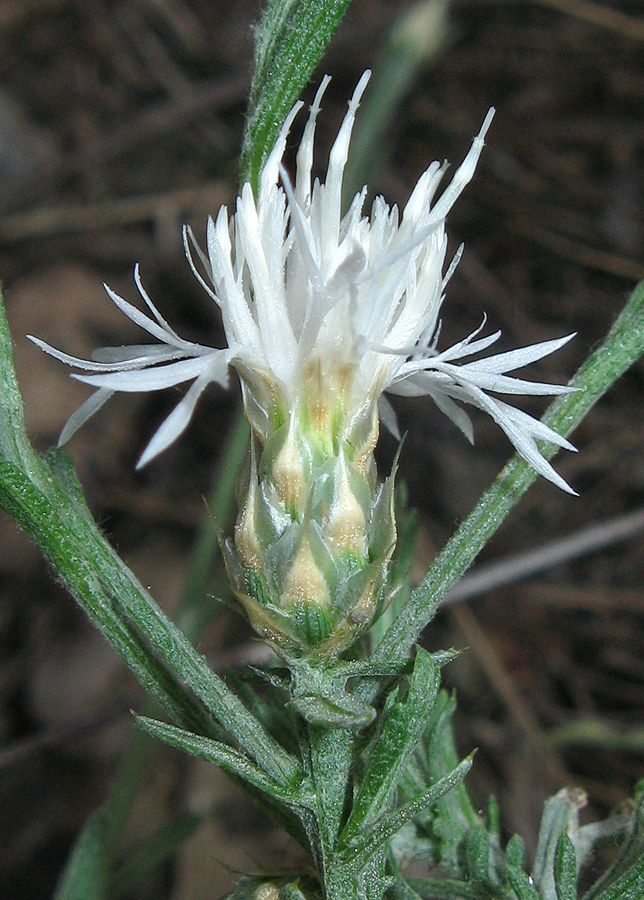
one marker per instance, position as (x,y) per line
(315,532)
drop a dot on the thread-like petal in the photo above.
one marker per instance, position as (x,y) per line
(176,423)
(323,312)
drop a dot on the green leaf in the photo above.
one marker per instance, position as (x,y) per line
(560,816)
(330,755)
(401,731)
(52,527)
(85,874)
(227,758)
(151,853)
(629,885)
(622,347)
(450,820)
(340,710)
(438,889)
(170,644)
(566,869)
(522,884)
(478,855)
(14,443)
(515,852)
(289,42)
(626,868)
(358,852)
(157,652)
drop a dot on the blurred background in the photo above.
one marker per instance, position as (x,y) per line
(122,119)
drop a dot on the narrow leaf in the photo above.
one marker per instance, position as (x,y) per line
(566,869)
(168,642)
(438,889)
(85,874)
(289,42)
(151,853)
(626,863)
(515,852)
(360,850)
(402,729)
(14,443)
(629,886)
(478,855)
(560,815)
(223,756)
(522,884)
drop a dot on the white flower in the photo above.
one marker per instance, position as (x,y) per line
(349,302)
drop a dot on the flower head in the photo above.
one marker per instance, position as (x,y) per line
(324,313)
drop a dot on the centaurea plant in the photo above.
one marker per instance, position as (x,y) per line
(324,314)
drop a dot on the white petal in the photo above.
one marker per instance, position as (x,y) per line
(268,178)
(272,319)
(410,387)
(155,312)
(155,379)
(453,412)
(87,409)
(189,238)
(139,318)
(238,321)
(147,355)
(468,346)
(332,197)
(388,417)
(424,358)
(537,429)
(515,428)
(523,356)
(176,423)
(302,228)
(464,173)
(400,252)
(423,193)
(503,384)
(294,278)
(452,267)
(304,159)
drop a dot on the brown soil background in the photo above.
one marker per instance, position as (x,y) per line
(119,121)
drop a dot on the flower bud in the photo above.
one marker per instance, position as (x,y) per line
(315,533)
(346,522)
(288,472)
